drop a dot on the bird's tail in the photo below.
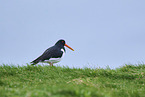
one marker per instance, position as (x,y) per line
(35,61)
(32,63)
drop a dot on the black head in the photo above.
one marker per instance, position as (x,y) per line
(60,43)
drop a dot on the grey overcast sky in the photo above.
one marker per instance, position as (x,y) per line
(102,32)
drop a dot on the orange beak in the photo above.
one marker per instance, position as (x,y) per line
(69,47)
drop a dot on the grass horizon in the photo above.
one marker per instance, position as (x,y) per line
(91,66)
(32,81)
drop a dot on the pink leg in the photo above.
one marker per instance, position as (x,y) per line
(51,64)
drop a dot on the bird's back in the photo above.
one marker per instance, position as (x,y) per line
(52,52)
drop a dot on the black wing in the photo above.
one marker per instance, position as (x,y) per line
(52,52)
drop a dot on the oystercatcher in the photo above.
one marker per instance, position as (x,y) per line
(53,54)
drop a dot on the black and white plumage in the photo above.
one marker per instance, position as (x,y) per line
(53,54)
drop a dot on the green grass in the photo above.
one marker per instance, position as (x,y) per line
(46,81)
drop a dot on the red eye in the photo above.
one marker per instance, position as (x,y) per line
(62,41)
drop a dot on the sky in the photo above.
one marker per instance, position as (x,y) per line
(103,33)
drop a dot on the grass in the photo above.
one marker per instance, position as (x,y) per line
(46,81)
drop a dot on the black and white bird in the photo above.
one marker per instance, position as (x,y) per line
(53,54)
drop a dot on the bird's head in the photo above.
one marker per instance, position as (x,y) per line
(61,43)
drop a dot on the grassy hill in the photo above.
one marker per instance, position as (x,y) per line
(46,81)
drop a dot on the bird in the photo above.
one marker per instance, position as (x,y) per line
(53,54)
